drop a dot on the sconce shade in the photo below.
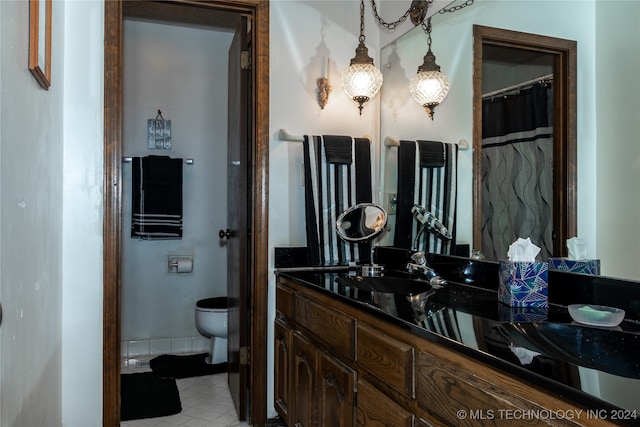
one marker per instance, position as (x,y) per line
(362,80)
(429,87)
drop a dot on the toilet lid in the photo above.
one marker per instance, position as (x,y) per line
(212,303)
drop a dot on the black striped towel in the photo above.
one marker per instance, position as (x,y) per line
(337,176)
(156,211)
(427,176)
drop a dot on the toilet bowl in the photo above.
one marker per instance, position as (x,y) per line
(211,321)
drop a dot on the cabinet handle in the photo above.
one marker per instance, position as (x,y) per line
(330,381)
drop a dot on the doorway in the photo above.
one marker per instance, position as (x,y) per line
(257,145)
(561,54)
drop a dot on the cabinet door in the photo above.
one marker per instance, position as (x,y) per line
(303,411)
(283,361)
(337,390)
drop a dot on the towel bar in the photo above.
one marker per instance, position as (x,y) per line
(283,135)
(129,159)
(394,142)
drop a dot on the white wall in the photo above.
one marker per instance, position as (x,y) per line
(453,47)
(31,277)
(83,37)
(618,126)
(181,71)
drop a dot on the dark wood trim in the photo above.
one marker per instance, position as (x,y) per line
(112,228)
(565,175)
(260,257)
(112,212)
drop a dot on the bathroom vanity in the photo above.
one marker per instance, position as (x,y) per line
(346,355)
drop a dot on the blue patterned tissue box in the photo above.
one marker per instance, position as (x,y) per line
(584,266)
(522,314)
(523,284)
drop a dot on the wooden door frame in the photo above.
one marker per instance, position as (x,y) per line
(112,221)
(565,174)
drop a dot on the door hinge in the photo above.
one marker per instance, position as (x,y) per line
(244,355)
(245,60)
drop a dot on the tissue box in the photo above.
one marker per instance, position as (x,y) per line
(522,314)
(584,266)
(523,284)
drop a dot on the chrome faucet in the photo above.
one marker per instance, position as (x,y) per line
(419,265)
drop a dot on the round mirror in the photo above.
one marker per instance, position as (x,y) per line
(361,222)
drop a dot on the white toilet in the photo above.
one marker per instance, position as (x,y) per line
(211,321)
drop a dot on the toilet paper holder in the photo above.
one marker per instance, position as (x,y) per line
(180,264)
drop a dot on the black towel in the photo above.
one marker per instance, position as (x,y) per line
(337,176)
(430,182)
(156,198)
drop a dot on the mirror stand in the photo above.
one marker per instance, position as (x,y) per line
(362,223)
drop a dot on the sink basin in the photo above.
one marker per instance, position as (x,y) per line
(608,350)
(388,285)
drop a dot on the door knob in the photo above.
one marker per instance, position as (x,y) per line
(225,234)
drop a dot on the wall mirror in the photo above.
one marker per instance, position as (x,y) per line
(40,41)
(524,171)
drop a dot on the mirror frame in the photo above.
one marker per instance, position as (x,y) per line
(40,53)
(565,177)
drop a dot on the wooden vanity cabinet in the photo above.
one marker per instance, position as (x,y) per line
(283,337)
(339,366)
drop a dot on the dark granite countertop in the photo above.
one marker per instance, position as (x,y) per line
(598,369)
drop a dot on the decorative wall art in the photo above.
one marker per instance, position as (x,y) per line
(159,133)
(40,41)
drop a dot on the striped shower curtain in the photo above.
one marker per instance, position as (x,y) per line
(517,171)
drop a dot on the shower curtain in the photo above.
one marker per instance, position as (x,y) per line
(517,171)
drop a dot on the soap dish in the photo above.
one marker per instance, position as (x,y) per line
(596,315)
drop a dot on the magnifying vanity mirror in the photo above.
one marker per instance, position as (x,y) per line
(363,222)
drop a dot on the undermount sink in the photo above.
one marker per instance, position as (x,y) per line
(609,350)
(387,285)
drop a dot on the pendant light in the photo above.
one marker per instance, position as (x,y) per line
(429,86)
(362,80)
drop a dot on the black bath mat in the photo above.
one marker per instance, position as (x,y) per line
(146,395)
(176,366)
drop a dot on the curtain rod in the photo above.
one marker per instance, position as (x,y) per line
(518,86)
(130,159)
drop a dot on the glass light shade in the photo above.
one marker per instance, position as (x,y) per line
(361,82)
(429,88)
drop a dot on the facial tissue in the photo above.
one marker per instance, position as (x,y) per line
(576,261)
(523,281)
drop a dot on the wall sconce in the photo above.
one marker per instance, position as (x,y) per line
(429,87)
(362,80)
(324,89)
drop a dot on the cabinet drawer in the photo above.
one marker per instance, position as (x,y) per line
(375,409)
(386,358)
(444,389)
(284,300)
(334,328)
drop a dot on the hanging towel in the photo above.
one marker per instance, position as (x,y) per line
(427,176)
(156,210)
(337,175)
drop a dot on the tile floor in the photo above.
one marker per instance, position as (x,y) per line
(206,401)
